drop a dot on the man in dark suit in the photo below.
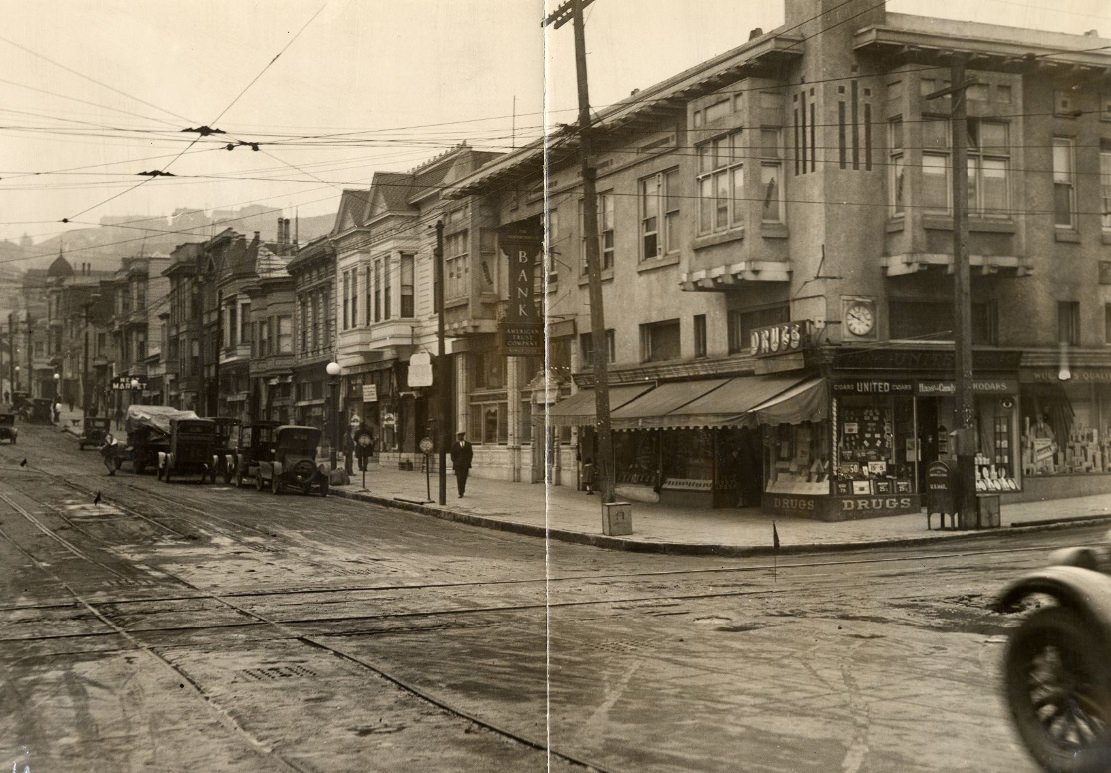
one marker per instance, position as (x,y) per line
(461,454)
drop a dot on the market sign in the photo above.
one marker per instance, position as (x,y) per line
(128,382)
(783,338)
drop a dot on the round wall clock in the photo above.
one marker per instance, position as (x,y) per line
(860,318)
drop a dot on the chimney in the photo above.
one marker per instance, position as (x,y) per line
(288,240)
(755,32)
(281,228)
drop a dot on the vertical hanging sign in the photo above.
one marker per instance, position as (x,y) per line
(522,332)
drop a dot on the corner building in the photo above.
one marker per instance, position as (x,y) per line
(776,231)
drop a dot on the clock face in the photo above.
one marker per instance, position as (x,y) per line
(859,319)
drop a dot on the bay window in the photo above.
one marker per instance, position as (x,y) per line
(721,199)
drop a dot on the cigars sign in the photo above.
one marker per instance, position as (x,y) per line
(784,338)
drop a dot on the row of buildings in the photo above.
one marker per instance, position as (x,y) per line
(776,229)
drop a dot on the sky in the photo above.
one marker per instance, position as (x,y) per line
(93,92)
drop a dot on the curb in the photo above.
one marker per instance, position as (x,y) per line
(694,549)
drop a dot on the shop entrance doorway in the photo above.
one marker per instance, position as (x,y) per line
(935,420)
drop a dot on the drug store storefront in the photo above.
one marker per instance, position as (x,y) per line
(867,453)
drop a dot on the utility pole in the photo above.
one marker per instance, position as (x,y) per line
(441,379)
(968,513)
(603,463)
(11,352)
(30,372)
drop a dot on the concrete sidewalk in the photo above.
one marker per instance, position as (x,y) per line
(565,514)
(562,513)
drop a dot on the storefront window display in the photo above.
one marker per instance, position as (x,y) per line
(875,448)
(798,458)
(1066,428)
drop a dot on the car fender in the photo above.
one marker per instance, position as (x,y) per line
(1086,591)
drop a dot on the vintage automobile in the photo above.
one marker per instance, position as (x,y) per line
(93,430)
(255,442)
(192,442)
(148,434)
(40,411)
(8,429)
(292,462)
(1056,668)
(227,438)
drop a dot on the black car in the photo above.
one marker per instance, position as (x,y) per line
(292,462)
(256,441)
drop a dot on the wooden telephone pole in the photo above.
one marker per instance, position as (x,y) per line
(603,463)
(968,512)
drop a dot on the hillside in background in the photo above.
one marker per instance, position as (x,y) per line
(103,246)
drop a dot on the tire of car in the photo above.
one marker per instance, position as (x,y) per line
(1057,688)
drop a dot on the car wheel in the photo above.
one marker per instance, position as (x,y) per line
(275,485)
(1059,692)
(258,481)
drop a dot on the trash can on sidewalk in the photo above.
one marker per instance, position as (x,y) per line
(617,519)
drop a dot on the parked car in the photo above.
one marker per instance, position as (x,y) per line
(8,429)
(192,442)
(255,442)
(292,462)
(93,431)
(227,437)
(1057,666)
(41,411)
(148,434)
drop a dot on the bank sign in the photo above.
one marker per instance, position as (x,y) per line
(522,332)
(784,338)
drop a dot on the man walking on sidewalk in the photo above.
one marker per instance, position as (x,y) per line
(461,454)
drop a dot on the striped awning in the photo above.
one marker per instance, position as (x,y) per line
(578,409)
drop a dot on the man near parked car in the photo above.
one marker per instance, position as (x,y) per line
(462,453)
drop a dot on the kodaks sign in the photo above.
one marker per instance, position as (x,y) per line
(783,338)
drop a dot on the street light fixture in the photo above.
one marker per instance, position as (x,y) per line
(333,369)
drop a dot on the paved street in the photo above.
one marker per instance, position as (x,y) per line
(191,626)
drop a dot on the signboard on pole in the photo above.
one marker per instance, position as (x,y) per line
(420,370)
(522,333)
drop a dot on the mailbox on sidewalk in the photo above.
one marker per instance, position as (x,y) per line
(617,519)
(941,494)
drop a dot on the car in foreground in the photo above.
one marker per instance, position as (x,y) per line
(1057,663)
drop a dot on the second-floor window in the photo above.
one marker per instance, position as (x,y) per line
(660,341)
(456,265)
(285,334)
(989,161)
(743,321)
(721,182)
(1064,182)
(897,169)
(586,349)
(407,268)
(771,175)
(659,214)
(606,224)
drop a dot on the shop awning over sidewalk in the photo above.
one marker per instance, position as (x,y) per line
(703,403)
(578,409)
(650,410)
(806,401)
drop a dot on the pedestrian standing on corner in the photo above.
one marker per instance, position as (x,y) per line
(461,454)
(57,411)
(119,418)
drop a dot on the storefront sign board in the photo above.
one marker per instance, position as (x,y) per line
(783,338)
(872,387)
